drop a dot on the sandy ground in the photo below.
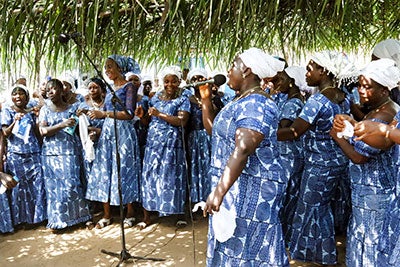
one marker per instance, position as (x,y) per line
(81,247)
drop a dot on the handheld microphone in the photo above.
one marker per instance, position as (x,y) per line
(65,37)
(218,80)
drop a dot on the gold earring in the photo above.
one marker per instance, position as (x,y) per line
(244,76)
(290,85)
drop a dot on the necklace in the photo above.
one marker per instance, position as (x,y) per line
(375,110)
(96,105)
(248,92)
(325,88)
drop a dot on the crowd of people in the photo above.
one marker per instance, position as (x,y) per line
(294,157)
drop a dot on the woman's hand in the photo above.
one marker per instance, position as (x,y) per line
(338,122)
(205,91)
(154,112)
(213,202)
(7,180)
(368,128)
(18,116)
(96,114)
(139,112)
(69,122)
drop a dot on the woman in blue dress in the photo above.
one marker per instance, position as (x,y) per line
(103,179)
(61,161)
(247,177)
(6,225)
(289,82)
(199,143)
(372,172)
(313,233)
(164,166)
(28,198)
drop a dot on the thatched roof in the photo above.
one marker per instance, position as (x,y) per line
(154,30)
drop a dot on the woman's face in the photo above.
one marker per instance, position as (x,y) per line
(53,92)
(135,80)
(94,90)
(67,87)
(19,98)
(369,90)
(171,84)
(235,74)
(313,74)
(111,69)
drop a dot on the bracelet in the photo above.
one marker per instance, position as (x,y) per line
(387,134)
(293,130)
(107,114)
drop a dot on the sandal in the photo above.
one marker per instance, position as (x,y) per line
(142,225)
(103,223)
(129,222)
(181,223)
(89,225)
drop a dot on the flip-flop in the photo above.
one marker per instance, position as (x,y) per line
(89,225)
(181,223)
(129,222)
(141,225)
(103,223)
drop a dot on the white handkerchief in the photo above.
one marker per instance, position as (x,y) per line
(224,223)
(347,132)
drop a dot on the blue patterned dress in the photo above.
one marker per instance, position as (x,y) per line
(293,161)
(199,145)
(389,236)
(313,235)
(28,197)
(164,165)
(6,225)
(62,163)
(258,193)
(372,189)
(103,179)
(97,123)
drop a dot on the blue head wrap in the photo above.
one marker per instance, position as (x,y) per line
(126,64)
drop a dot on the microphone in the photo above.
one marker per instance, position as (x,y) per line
(65,37)
(218,80)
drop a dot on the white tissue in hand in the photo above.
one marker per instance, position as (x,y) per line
(200,205)
(348,130)
(224,224)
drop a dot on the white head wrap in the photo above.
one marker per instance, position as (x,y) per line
(389,48)
(130,73)
(261,64)
(70,80)
(383,71)
(171,70)
(299,75)
(146,77)
(338,64)
(197,72)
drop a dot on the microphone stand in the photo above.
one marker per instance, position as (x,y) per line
(124,254)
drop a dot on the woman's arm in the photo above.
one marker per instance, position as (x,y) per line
(52,130)
(180,120)
(296,129)
(377,134)
(207,107)
(246,142)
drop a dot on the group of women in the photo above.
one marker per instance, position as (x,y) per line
(278,165)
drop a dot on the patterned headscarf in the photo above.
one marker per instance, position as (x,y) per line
(260,63)
(126,64)
(389,48)
(338,64)
(383,71)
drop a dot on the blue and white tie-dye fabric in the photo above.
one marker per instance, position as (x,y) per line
(389,236)
(103,179)
(258,193)
(293,161)
(28,197)
(62,163)
(199,145)
(6,225)
(164,164)
(372,189)
(313,235)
